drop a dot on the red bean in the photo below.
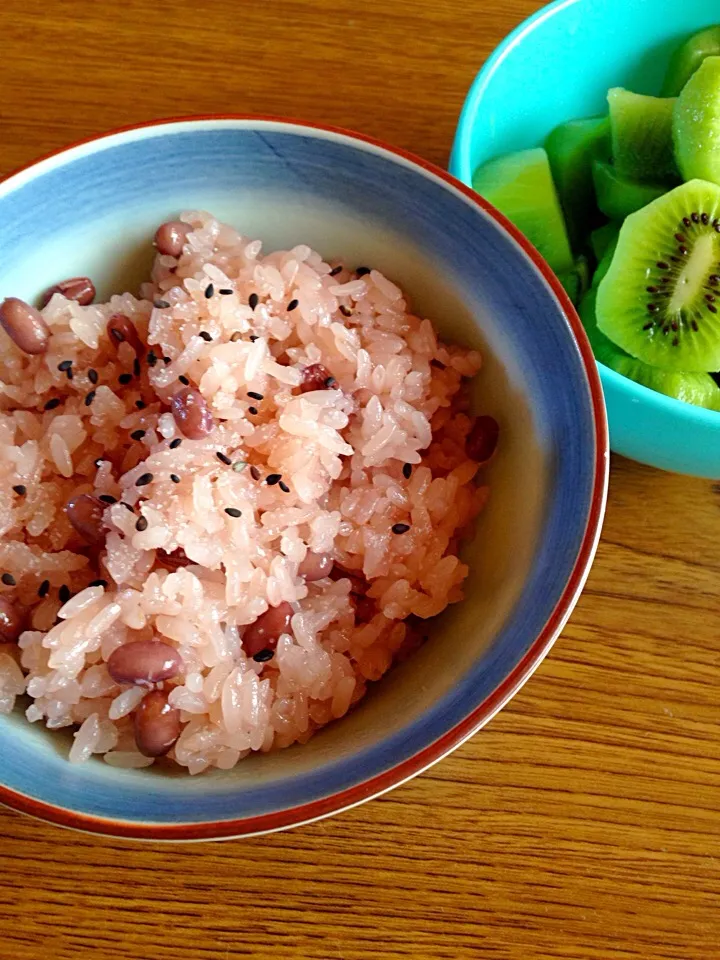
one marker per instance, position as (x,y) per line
(365,608)
(144,662)
(121,329)
(11,621)
(482,439)
(24,325)
(265,632)
(157,725)
(79,289)
(170,237)
(315,566)
(85,513)
(172,560)
(317,377)
(191,413)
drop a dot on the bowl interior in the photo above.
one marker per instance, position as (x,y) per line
(92,210)
(559,65)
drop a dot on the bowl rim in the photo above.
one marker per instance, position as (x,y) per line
(461,167)
(536,652)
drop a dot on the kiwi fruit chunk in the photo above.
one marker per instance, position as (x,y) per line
(606,259)
(696,124)
(659,299)
(688,57)
(521,186)
(641,133)
(577,280)
(571,149)
(604,237)
(696,388)
(617,196)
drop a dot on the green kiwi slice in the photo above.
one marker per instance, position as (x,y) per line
(696,124)
(617,196)
(571,149)
(688,57)
(659,299)
(604,237)
(520,185)
(696,388)
(641,135)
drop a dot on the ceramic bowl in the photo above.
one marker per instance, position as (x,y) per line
(558,65)
(91,209)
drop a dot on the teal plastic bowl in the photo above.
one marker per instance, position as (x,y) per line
(559,65)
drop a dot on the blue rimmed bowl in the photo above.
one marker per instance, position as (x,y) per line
(558,65)
(90,210)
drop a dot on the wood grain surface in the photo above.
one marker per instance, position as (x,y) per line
(583,823)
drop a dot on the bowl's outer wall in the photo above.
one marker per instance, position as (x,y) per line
(559,65)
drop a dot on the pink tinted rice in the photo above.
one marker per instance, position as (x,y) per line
(402,399)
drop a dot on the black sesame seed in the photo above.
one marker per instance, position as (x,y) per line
(174,444)
(141,524)
(253,338)
(284,487)
(272,478)
(162,304)
(140,404)
(345,311)
(335,271)
(205,336)
(254,473)
(233,512)
(151,359)
(254,395)
(92,375)
(263,656)
(292,305)
(117,335)
(407,470)
(225,292)
(8,579)
(175,478)
(51,404)
(167,360)
(69,373)
(252,410)
(362,271)
(144,480)
(89,398)
(127,506)
(137,434)
(20,489)
(253,300)
(65,365)
(64,593)
(136,367)
(400,527)
(107,498)
(98,583)
(183,379)
(44,588)
(223,458)
(209,291)
(124,378)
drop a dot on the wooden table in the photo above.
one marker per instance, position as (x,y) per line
(583,822)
